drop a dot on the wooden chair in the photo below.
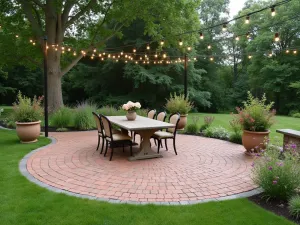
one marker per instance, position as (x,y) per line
(170,133)
(101,131)
(151,115)
(161,116)
(114,140)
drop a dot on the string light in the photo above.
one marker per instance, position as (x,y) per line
(201,36)
(273,12)
(104,53)
(195,59)
(237,38)
(295,52)
(224,28)
(209,46)
(270,54)
(30,40)
(74,53)
(62,48)
(69,49)
(164,55)
(125,61)
(108,56)
(102,59)
(248,35)
(155,55)
(189,48)
(33,43)
(287,51)
(249,56)
(100,55)
(95,50)
(211,58)
(122,53)
(134,50)
(136,62)
(162,42)
(276,37)
(148,47)
(180,42)
(247,21)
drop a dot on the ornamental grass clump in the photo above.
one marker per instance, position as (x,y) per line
(193,127)
(256,115)
(62,118)
(178,104)
(83,118)
(26,109)
(277,171)
(208,120)
(294,206)
(236,134)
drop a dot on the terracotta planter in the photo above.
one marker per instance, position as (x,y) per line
(131,115)
(28,132)
(253,141)
(182,122)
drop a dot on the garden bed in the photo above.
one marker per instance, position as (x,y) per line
(278,207)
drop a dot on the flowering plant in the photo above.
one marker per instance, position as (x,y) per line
(277,171)
(26,109)
(256,115)
(131,106)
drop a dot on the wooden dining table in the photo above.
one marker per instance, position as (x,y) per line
(146,127)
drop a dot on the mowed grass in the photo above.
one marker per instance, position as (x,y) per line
(22,202)
(281,122)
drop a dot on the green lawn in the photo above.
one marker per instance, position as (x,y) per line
(281,122)
(22,202)
(6,112)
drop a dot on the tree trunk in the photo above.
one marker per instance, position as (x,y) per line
(55,100)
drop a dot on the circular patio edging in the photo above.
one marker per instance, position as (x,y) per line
(30,177)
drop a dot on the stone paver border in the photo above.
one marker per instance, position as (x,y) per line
(24,172)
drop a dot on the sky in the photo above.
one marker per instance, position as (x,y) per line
(235,6)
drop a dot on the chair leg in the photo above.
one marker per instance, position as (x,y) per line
(155,141)
(112,152)
(159,142)
(106,148)
(166,144)
(98,143)
(103,140)
(134,137)
(174,146)
(130,149)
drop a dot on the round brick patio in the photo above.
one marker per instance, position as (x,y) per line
(203,169)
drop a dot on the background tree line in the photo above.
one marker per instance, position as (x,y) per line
(213,86)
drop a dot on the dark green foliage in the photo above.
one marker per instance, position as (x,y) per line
(62,118)
(192,128)
(83,118)
(236,138)
(294,206)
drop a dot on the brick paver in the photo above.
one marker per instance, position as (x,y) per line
(203,169)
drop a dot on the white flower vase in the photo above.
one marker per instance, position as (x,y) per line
(131,115)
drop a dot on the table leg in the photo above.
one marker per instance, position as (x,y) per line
(145,147)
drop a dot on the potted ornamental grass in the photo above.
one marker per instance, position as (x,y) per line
(179,104)
(131,107)
(27,113)
(255,117)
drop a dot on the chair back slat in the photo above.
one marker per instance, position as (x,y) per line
(106,126)
(98,123)
(161,116)
(151,113)
(174,119)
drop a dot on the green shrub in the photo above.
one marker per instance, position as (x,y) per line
(83,118)
(235,138)
(294,206)
(236,135)
(11,124)
(296,115)
(178,103)
(193,127)
(208,120)
(62,118)
(277,171)
(256,115)
(216,132)
(110,111)
(26,109)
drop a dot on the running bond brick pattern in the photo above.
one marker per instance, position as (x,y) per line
(203,169)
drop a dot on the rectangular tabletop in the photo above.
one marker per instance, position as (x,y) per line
(140,123)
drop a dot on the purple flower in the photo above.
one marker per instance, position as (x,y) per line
(293,146)
(253,164)
(279,163)
(270,168)
(275,181)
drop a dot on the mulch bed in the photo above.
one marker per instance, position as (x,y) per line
(276,206)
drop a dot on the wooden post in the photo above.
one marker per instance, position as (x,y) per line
(185,76)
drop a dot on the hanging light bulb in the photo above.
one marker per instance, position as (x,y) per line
(295,52)
(33,43)
(248,35)
(273,12)
(108,56)
(92,57)
(103,53)
(270,54)
(126,56)
(162,42)
(136,62)
(247,21)
(62,48)
(249,56)
(100,55)
(189,48)
(148,47)
(95,50)
(195,59)
(237,38)
(201,36)
(117,60)
(122,53)
(134,50)
(74,53)
(224,28)
(211,58)
(155,55)
(30,40)
(69,49)
(180,42)
(276,38)
(114,56)
(17,36)
(209,46)
(47,47)
(102,59)
(287,51)
(164,55)
(119,56)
